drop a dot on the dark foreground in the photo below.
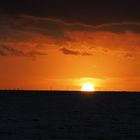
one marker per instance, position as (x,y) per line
(28,115)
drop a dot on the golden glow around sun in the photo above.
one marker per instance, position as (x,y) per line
(88,87)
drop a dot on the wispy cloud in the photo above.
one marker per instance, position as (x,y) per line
(7,51)
(59,25)
(72,52)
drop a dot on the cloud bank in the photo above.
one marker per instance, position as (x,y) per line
(34,36)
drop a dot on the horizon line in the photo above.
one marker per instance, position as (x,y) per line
(41,90)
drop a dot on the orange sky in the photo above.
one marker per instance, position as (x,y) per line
(54,54)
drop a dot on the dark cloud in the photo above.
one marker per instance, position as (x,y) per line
(11,51)
(57,28)
(20,36)
(69,52)
(121,27)
(15,27)
(72,52)
(7,51)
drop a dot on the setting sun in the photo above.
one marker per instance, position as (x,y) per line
(88,87)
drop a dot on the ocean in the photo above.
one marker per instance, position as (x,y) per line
(53,115)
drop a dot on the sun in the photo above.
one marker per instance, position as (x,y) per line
(88,87)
